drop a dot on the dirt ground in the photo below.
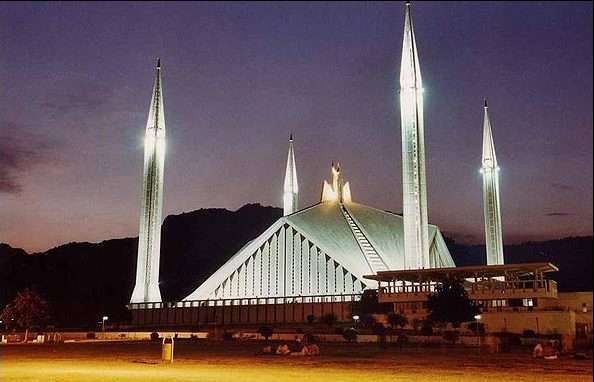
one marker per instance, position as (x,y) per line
(232,361)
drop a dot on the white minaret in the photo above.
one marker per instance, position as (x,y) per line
(146,288)
(291,189)
(490,172)
(414,186)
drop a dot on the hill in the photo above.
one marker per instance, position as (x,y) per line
(84,281)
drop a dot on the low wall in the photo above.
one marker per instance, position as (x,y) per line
(99,336)
(239,314)
(541,322)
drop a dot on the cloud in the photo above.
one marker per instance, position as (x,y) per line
(553,214)
(561,187)
(19,152)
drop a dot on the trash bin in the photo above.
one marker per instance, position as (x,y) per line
(167,350)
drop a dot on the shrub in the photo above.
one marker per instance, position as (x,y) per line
(367,321)
(91,335)
(451,336)
(427,328)
(477,327)
(311,319)
(266,332)
(395,319)
(154,336)
(227,336)
(350,335)
(380,330)
(329,319)
(338,330)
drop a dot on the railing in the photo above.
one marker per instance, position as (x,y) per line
(254,310)
(249,301)
(478,290)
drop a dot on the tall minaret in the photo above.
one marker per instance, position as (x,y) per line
(490,172)
(291,189)
(414,186)
(149,240)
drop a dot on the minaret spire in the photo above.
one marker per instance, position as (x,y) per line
(416,231)
(291,188)
(146,288)
(490,173)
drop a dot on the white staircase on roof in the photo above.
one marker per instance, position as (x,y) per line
(373,259)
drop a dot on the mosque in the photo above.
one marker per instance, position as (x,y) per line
(326,248)
(319,260)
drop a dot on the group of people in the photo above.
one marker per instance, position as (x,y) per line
(296,348)
(550,350)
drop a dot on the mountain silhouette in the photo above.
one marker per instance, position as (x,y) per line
(84,281)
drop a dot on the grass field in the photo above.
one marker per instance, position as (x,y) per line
(222,361)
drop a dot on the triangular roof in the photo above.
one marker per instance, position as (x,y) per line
(325,226)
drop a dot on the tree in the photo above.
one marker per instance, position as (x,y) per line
(369,304)
(450,303)
(395,319)
(26,310)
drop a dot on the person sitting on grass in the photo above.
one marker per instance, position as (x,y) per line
(283,349)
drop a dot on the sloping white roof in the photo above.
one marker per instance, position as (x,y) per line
(325,226)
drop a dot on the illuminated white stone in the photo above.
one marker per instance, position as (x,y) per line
(146,288)
(291,188)
(490,173)
(323,249)
(416,236)
(338,191)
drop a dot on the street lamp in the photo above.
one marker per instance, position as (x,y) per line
(105,318)
(478,332)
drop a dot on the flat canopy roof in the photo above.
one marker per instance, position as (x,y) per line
(437,274)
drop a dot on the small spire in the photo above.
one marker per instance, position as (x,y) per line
(489,159)
(158,63)
(486,103)
(291,189)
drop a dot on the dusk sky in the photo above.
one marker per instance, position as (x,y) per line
(75,86)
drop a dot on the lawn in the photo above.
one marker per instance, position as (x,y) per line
(231,361)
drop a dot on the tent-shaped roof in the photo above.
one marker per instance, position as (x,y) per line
(326,226)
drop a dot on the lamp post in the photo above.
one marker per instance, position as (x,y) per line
(105,318)
(478,318)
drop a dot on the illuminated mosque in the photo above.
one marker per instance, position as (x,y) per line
(327,248)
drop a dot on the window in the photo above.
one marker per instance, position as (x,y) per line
(528,302)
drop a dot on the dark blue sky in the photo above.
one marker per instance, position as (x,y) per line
(75,83)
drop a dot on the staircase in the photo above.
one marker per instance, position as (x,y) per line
(373,259)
